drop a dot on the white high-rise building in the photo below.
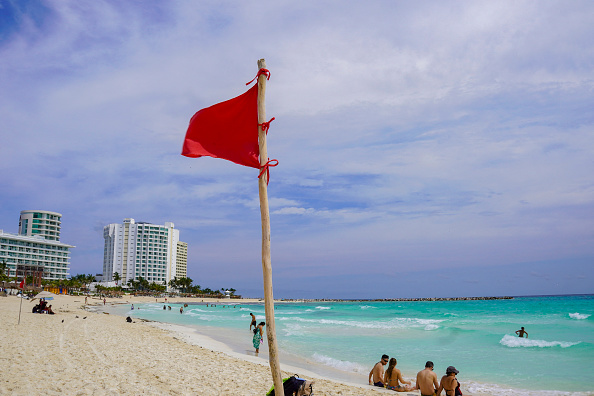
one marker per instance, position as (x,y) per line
(36,250)
(40,222)
(140,249)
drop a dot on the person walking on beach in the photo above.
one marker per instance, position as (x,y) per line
(377,372)
(393,377)
(521,333)
(253,323)
(427,381)
(450,383)
(258,336)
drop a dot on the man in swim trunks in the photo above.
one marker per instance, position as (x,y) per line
(521,333)
(427,380)
(253,322)
(378,372)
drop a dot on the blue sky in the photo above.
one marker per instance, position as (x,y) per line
(425,148)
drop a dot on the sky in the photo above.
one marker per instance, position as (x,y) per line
(426,149)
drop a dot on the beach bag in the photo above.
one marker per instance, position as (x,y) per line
(295,386)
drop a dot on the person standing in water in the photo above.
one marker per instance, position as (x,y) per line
(258,336)
(521,333)
(253,323)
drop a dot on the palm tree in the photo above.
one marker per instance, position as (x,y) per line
(116,277)
(3,274)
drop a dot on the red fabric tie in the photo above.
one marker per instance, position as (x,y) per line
(266,168)
(261,71)
(266,125)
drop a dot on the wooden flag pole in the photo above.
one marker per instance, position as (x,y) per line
(266,258)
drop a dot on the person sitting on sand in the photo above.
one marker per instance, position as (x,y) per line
(49,310)
(253,321)
(393,376)
(427,381)
(258,336)
(377,372)
(521,333)
(450,383)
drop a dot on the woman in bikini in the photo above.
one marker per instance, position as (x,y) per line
(258,336)
(393,376)
(449,383)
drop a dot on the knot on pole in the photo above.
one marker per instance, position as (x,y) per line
(266,168)
(266,125)
(261,71)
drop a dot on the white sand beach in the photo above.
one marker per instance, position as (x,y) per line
(77,352)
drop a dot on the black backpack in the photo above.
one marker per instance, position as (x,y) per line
(291,386)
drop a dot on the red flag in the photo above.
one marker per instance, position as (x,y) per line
(227,130)
(22,284)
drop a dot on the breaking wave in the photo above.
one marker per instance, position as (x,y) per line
(517,342)
(577,315)
(343,365)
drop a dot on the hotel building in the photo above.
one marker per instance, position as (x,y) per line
(182,260)
(139,249)
(36,250)
(40,222)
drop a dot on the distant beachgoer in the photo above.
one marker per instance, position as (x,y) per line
(86,300)
(258,336)
(450,383)
(521,333)
(181,310)
(253,321)
(377,372)
(104,301)
(132,307)
(164,307)
(49,310)
(427,381)
(169,307)
(393,376)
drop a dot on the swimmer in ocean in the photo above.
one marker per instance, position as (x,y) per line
(521,333)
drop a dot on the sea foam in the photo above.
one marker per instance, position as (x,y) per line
(577,315)
(343,365)
(517,342)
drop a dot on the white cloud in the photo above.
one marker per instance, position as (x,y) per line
(431,133)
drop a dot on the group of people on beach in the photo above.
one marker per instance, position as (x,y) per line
(426,379)
(42,307)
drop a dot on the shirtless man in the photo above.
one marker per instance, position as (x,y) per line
(378,372)
(253,321)
(521,333)
(427,380)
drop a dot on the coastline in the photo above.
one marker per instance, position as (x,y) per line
(319,370)
(98,353)
(78,351)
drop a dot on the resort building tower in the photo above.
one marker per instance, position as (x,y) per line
(36,249)
(182,260)
(140,249)
(40,222)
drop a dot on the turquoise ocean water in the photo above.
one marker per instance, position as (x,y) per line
(344,339)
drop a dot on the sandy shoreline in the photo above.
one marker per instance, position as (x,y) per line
(78,352)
